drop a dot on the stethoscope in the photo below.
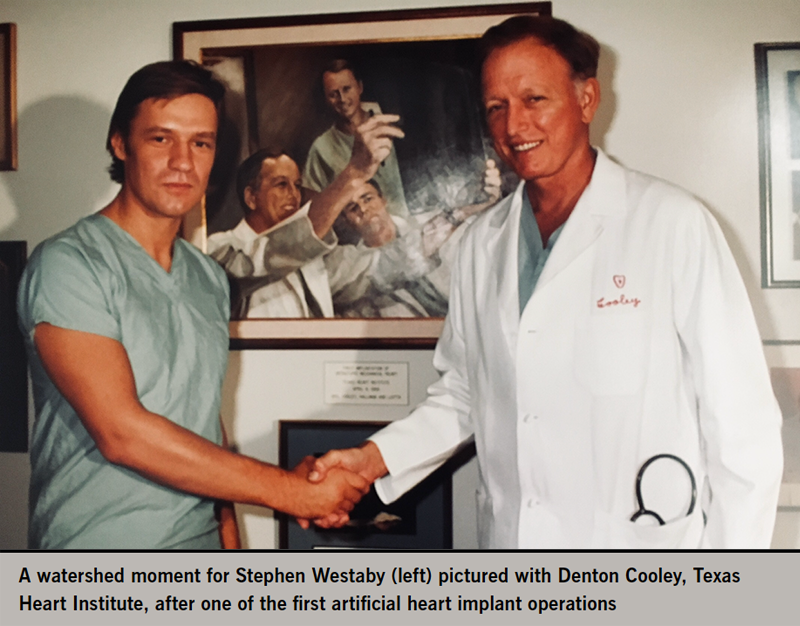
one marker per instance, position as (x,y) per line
(643,511)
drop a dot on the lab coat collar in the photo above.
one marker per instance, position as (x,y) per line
(505,242)
(244,231)
(603,198)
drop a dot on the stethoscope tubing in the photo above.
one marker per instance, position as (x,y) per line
(642,510)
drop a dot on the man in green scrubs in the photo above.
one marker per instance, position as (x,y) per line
(127,334)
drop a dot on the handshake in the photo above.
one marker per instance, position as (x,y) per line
(325,490)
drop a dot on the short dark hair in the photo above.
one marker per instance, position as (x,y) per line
(249,172)
(341,225)
(375,186)
(162,80)
(577,48)
(340,65)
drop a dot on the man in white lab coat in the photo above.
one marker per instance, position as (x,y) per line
(597,321)
(275,254)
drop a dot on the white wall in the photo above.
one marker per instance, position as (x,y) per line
(679,102)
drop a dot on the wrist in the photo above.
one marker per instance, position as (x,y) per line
(375,467)
(354,177)
(282,488)
(453,216)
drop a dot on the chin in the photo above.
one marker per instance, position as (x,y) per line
(531,172)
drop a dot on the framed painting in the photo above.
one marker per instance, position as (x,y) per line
(13,362)
(778,89)
(418,64)
(8,96)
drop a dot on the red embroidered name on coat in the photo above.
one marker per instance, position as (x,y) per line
(602,303)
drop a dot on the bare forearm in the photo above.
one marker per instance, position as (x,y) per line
(327,204)
(94,375)
(371,145)
(171,455)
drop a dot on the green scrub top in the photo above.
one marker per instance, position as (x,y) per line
(532,255)
(329,155)
(95,278)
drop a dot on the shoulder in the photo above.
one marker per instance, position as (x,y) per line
(668,211)
(203,264)
(83,245)
(650,213)
(322,142)
(71,279)
(224,238)
(639,203)
(645,193)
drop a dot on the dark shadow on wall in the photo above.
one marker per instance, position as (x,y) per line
(61,176)
(62,166)
(604,118)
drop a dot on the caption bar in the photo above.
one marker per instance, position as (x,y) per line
(355,588)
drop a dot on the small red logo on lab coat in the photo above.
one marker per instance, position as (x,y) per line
(619,281)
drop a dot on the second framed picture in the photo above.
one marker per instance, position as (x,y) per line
(778,88)
(421,519)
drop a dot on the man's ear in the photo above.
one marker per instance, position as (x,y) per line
(250,198)
(118,145)
(588,98)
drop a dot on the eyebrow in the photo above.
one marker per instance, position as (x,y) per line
(283,177)
(164,129)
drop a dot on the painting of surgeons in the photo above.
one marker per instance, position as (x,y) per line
(383,249)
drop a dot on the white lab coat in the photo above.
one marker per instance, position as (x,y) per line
(567,402)
(274,265)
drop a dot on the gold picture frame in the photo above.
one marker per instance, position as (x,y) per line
(206,41)
(8,97)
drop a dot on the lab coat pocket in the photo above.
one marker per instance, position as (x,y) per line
(610,353)
(683,533)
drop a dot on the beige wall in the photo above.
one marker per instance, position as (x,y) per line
(679,102)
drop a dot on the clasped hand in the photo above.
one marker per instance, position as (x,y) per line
(362,465)
(332,498)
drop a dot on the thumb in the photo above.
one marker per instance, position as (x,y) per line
(319,470)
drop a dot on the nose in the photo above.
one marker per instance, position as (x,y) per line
(359,211)
(516,119)
(297,193)
(181,157)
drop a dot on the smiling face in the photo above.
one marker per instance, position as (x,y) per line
(538,116)
(168,154)
(343,93)
(277,195)
(368,216)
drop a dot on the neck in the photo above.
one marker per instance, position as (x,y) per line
(348,125)
(553,198)
(156,234)
(257,222)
